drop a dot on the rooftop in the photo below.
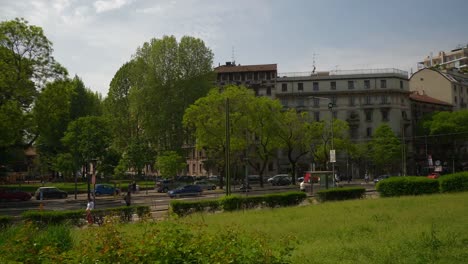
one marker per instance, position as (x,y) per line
(427,99)
(346,72)
(245,68)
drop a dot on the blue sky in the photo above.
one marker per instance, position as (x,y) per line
(94,38)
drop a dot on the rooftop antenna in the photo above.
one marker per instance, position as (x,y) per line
(313,62)
(233,58)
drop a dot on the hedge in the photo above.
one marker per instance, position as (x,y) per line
(407,185)
(337,194)
(77,217)
(236,202)
(457,182)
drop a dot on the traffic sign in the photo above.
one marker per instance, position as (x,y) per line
(332,155)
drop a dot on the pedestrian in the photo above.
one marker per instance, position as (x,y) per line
(128,198)
(89,208)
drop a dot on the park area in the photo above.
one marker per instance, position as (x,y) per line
(408,229)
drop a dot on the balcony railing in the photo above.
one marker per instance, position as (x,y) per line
(346,72)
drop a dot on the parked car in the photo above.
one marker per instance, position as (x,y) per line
(253,178)
(280,179)
(433,175)
(12,195)
(49,192)
(205,185)
(166,185)
(186,190)
(213,178)
(106,189)
(188,179)
(381,177)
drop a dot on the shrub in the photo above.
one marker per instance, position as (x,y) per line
(182,208)
(341,194)
(410,185)
(5,221)
(285,199)
(457,182)
(231,203)
(76,217)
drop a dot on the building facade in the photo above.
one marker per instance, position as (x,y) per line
(448,86)
(454,59)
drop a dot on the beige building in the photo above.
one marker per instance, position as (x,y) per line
(454,59)
(448,86)
(364,98)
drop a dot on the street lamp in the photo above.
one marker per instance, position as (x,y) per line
(332,150)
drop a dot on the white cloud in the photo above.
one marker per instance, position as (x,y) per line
(104,6)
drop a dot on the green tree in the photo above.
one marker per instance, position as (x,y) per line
(294,137)
(172,76)
(169,163)
(385,149)
(138,154)
(88,138)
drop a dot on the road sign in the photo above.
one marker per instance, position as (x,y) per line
(332,155)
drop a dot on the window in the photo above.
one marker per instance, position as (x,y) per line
(401,84)
(383,83)
(366,84)
(316,102)
(284,87)
(316,86)
(383,99)
(368,115)
(333,85)
(200,168)
(384,115)
(268,91)
(353,132)
(268,75)
(352,100)
(249,76)
(284,101)
(262,76)
(333,100)
(454,88)
(350,85)
(300,102)
(317,116)
(369,132)
(455,99)
(403,114)
(367,100)
(255,76)
(300,87)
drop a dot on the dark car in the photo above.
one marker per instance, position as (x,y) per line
(188,179)
(280,179)
(205,185)
(12,195)
(186,190)
(106,189)
(166,185)
(49,192)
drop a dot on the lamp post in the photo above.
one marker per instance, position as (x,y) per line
(332,150)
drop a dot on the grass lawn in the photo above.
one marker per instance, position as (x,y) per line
(424,229)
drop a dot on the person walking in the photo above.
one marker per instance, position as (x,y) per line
(128,198)
(89,208)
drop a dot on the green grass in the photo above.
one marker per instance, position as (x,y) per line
(427,229)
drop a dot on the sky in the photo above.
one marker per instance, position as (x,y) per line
(94,38)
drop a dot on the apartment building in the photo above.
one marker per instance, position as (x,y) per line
(261,78)
(445,85)
(454,59)
(364,98)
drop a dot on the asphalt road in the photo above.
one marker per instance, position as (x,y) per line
(158,202)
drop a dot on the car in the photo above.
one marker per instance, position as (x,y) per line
(101,189)
(49,192)
(253,178)
(280,179)
(433,175)
(381,177)
(300,179)
(213,178)
(166,185)
(12,195)
(205,185)
(187,179)
(186,190)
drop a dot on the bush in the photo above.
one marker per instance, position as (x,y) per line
(409,185)
(457,182)
(183,208)
(341,194)
(76,217)
(236,202)
(5,221)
